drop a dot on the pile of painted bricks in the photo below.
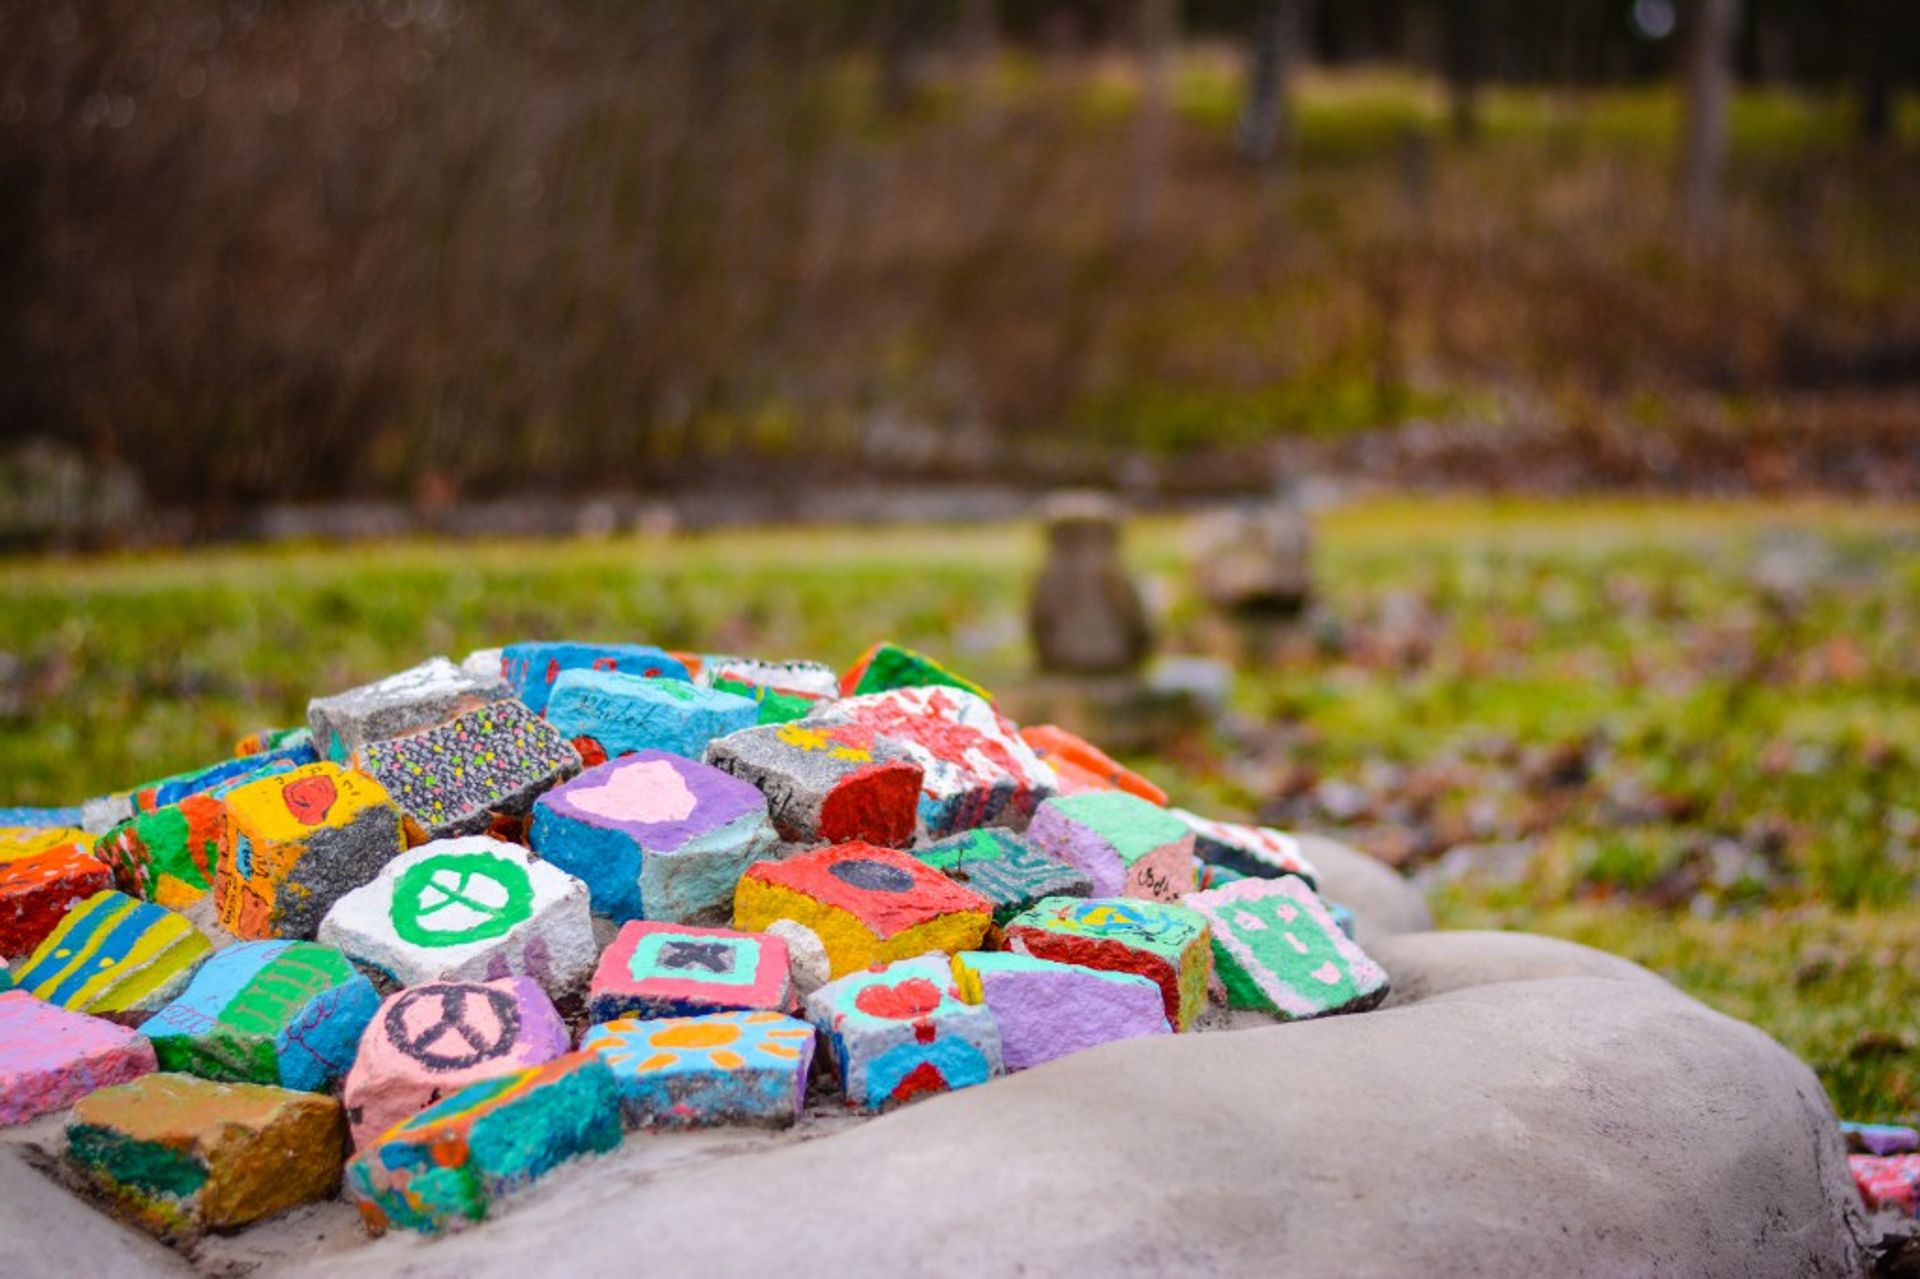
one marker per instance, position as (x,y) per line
(476,920)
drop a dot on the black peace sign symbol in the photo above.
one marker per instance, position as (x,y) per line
(452,1041)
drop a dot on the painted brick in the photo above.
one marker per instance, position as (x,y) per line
(43,875)
(468,909)
(976,770)
(430,1041)
(827,783)
(50,1058)
(285,1013)
(181,1155)
(900,1031)
(1258,851)
(655,835)
(1005,868)
(1166,943)
(887,665)
(532,668)
(1081,766)
(464,775)
(624,713)
(1047,1010)
(114,954)
(299,842)
(673,970)
(699,1072)
(417,698)
(1279,950)
(454,1162)
(1127,846)
(868,905)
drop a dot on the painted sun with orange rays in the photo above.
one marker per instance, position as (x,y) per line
(729,1041)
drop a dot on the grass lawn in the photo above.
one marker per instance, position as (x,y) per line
(1686,733)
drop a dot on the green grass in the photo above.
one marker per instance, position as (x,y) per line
(1745,816)
(1348,113)
(1837,988)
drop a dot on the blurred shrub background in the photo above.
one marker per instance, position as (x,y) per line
(435,251)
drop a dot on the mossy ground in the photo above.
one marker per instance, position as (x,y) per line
(1688,733)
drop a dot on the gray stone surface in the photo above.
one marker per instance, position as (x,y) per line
(1521,1106)
(1425,965)
(47,1230)
(1382,902)
(1550,1124)
(417,698)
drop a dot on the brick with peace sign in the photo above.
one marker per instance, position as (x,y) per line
(429,1040)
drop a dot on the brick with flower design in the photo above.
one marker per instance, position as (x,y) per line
(697,1072)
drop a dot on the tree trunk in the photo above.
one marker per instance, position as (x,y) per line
(1266,123)
(1709,79)
(1874,70)
(1157,34)
(1465,35)
(979,41)
(902,24)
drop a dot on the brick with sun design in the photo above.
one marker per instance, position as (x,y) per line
(867,905)
(1279,950)
(672,970)
(901,1031)
(700,1072)
(297,843)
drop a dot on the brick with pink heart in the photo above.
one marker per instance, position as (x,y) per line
(655,836)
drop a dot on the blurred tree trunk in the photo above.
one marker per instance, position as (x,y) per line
(1709,75)
(901,36)
(979,39)
(1874,70)
(1465,35)
(979,34)
(1266,123)
(1157,33)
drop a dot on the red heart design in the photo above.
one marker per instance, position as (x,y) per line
(924,1078)
(309,798)
(915,997)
